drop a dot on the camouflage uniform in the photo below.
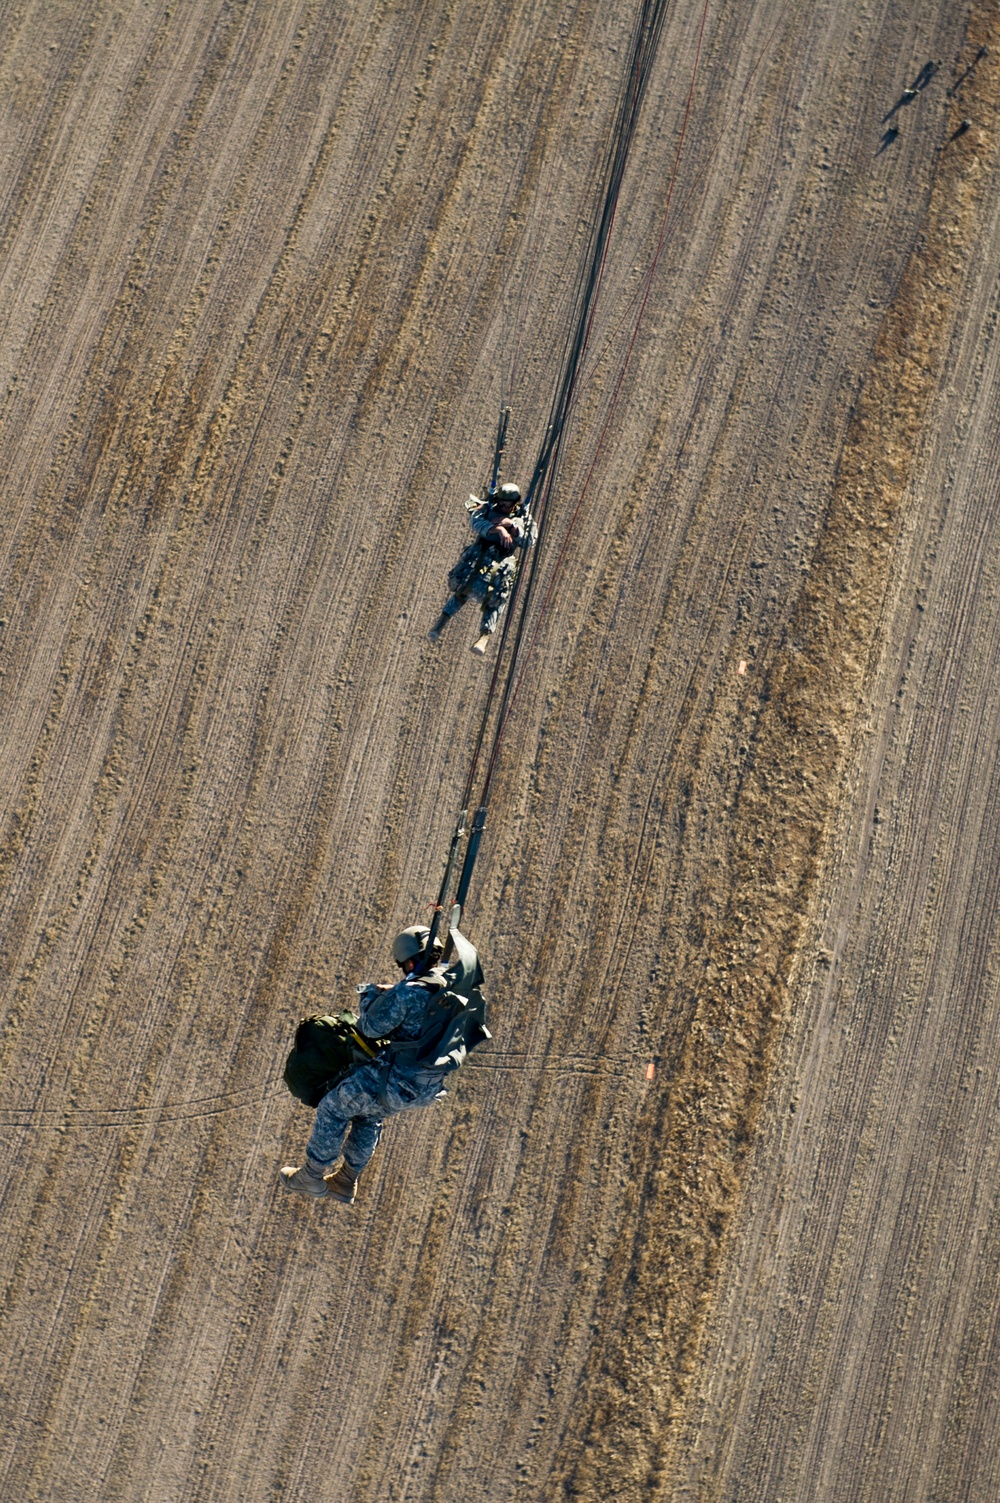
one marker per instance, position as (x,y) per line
(484,571)
(373,1092)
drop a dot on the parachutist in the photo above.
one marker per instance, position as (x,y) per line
(965,125)
(407,1038)
(487,569)
(911,91)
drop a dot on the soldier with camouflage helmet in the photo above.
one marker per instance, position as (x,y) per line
(487,569)
(350,1117)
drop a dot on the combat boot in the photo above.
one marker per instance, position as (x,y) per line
(479,646)
(343,1185)
(304,1182)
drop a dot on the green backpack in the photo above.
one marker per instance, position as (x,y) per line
(326,1049)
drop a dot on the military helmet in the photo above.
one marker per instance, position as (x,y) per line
(508,492)
(409,944)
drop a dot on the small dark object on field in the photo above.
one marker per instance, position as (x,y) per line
(887,139)
(965,125)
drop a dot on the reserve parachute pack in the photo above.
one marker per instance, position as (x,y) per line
(328,1048)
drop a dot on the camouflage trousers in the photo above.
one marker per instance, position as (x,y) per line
(485,576)
(350,1118)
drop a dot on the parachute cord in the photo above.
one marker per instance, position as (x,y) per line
(645,38)
(646,287)
(685,202)
(643,47)
(513,685)
(588,286)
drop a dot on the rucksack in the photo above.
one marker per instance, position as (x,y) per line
(326,1049)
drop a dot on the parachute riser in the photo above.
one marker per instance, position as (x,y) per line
(433,952)
(449,872)
(498,449)
(471,852)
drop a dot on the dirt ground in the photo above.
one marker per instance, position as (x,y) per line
(267,271)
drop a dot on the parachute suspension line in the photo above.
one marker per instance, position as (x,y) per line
(498,448)
(642,290)
(517,666)
(646,289)
(518,662)
(647,32)
(459,832)
(643,48)
(645,37)
(619,384)
(449,872)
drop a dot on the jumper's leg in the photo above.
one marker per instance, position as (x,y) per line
(451,606)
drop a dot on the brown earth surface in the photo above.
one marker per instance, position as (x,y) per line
(263,269)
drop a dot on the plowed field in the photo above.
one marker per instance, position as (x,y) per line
(267,271)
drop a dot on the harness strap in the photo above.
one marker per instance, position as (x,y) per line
(385,1069)
(363,1043)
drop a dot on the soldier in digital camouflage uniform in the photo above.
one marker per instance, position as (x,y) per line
(487,569)
(349,1119)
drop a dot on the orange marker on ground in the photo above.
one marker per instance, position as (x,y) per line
(742,668)
(650,1070)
